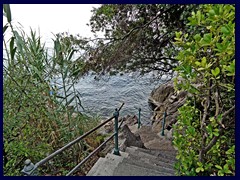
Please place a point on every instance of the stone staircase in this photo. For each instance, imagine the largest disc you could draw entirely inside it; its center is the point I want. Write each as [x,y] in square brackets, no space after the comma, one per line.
[157,159]
[135,162]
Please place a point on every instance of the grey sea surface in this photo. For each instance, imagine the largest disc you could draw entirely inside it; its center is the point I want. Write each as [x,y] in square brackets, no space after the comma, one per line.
[101,97]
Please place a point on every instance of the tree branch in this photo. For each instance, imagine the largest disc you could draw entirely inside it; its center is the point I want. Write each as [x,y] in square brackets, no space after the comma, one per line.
[203,125]
[214,140]
[216,97]
[145,25]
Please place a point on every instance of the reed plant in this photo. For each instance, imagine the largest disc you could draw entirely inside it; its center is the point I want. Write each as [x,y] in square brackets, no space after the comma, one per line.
[37,120]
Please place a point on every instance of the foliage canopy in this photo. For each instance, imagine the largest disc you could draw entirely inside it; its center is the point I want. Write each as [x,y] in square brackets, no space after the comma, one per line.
[137,37]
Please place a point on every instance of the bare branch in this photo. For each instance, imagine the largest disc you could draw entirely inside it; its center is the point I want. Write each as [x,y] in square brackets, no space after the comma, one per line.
[216,97]
[145,25]
[215,138]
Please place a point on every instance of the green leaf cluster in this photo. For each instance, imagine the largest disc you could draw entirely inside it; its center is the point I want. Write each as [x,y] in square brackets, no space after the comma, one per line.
[206,122]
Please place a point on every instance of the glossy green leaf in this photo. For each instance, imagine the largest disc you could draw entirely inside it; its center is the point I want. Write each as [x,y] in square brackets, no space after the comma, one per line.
[198,17]
[220,173]
[207,38]
[231,69]
[198,63]
[215,133]
[219,46]
[204,62]
[198,169]
[225,30]
[219,167]
[228,171]
[225,167]
[197,37]
[212,12]
[216,71]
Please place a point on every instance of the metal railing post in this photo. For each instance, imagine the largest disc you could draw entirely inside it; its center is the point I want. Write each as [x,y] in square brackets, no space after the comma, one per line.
[116,150]
[29,169]
[164,117]
[139,115]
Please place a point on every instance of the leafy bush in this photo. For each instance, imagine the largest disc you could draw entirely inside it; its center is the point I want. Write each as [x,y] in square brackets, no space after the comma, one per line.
[205,132]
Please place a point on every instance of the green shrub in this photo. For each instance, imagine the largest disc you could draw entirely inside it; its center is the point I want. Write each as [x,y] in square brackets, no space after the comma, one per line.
[205,133]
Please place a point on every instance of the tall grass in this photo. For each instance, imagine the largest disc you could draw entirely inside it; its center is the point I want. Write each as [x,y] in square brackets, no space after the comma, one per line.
[37,122]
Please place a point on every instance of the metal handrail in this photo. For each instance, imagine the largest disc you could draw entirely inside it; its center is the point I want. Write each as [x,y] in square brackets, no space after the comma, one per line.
[92,153]
[163,123]
[139,116]
[31,168]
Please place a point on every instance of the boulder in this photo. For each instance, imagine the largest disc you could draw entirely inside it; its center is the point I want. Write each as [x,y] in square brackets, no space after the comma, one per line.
[130,120]
[107,128]
[159,95]
[165,99]
[130,139]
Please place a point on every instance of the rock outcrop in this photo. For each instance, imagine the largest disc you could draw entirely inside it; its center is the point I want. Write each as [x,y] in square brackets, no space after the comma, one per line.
[130,139]
[164,98]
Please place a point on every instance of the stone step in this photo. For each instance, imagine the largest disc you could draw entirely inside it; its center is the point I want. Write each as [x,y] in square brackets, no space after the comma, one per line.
[157,159]
[151,154]
[159,144]
[146,133]
[95,170]
[160,163]
[149,164]
[134,162]
[169,154]
[114,157]
[126,169]
[106,166]
[153,140]
[152,163]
